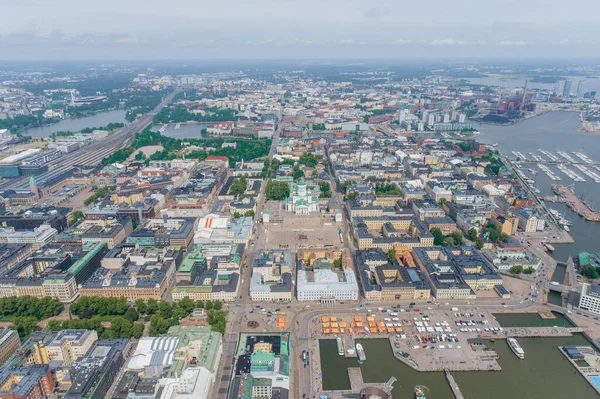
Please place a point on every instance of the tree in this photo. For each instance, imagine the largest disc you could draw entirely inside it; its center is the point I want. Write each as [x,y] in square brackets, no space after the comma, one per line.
[337,263]
[75,217]
[516,269]
[479,243]
[151,306]
[208,305]
[457,238]
[250,213]
[158,325]
[504,237]
[140,305]
[140,156]
[590,272]
[238,187]
[529,270]
[472,234]
[132,315]
[186,307]
[217,305]
[449,241]
[277,190]
[165,309]
[438,236]
[392,255]
[24,326]
[442,201]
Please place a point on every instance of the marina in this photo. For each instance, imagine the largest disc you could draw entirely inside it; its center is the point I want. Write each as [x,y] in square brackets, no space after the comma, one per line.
[548,172]
[572,175]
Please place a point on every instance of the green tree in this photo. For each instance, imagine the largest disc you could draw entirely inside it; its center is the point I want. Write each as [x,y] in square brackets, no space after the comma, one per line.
[276,190]
[479,243]
[151,306]
[186,307]
[504,237]
[516,269]
[457,238]
[140,305]
[392,255]
[590,272]
[75,217]
[238,187]
[438,236]
[337,263]
[217,305]
[132,315]
[472,234]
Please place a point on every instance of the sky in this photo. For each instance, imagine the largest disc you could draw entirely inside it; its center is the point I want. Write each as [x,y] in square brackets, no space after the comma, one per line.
[298,29]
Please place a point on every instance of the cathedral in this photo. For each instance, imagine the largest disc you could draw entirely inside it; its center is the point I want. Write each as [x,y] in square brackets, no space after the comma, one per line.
[301,201]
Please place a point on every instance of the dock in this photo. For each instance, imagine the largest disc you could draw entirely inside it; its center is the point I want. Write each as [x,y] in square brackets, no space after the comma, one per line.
[576,204]
[531,332]
[349,344]
[588,367]
[453,385]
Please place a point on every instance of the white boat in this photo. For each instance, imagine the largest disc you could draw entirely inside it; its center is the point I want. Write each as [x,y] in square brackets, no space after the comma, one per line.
[340,346]
[516,348]
[360,352]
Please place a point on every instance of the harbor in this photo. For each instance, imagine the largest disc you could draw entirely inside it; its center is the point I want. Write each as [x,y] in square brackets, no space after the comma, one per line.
[576,204]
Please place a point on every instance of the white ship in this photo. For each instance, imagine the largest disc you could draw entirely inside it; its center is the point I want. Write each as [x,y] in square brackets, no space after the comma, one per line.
[340,346]
[360,352]
[516,348]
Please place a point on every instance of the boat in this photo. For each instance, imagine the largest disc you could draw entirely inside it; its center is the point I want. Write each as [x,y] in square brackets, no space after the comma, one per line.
[340,346]
[360,352]
[548,247]
[567,229]
[420,392]
[516,348]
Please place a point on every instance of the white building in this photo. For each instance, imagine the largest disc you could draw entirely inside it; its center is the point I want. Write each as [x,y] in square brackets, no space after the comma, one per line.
[301,200]
[590,298]
[327,286]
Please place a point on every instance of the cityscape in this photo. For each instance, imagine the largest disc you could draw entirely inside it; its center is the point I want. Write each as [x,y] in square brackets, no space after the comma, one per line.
[273,225]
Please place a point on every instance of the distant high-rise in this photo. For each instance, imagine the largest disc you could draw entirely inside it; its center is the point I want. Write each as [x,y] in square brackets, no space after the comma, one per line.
[402,115]
[446,118]
[461,118]
[580,89]
[567,89]
[559,87]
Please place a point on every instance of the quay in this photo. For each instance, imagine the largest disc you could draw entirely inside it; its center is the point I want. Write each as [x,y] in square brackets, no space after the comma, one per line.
[529,332]
[453,385]
[349,344]
[576,204]
[357,384]
[586,361]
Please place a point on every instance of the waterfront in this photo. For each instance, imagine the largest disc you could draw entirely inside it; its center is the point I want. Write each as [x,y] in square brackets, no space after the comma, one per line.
[74,125]
[531,320]
[516,82]
[554,131]
[555,298]
[518,378]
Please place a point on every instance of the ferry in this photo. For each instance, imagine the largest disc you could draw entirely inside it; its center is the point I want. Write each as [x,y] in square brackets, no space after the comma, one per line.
[360,352]
[516,348]
[340,346]
[419,393]
[548,247]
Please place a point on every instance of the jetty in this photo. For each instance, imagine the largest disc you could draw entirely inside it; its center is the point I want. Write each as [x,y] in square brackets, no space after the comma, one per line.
[453,385]
[576,204]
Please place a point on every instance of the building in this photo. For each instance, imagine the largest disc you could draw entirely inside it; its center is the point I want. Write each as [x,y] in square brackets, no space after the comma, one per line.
[38,237]
[166,232]
[69,345]
[9,343]
[134,272]
[12,254]
[33,351]
[457,272]
[385,281]
[35,217]
[513,254]
[590,298]
[153,355]
[209,272]
[323,282]
[301,200]
[271,276]
[93,374]
[194,363]
[111,230]
[26,382]
[263,371]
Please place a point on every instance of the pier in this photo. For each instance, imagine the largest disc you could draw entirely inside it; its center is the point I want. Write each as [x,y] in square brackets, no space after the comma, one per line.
[576,204]
[453,385]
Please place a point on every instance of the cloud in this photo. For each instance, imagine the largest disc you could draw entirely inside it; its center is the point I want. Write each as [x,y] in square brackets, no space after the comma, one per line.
[454,42]
[401,41]
[516,43]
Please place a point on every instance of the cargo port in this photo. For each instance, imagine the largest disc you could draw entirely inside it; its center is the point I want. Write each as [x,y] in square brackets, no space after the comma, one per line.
[576,204]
